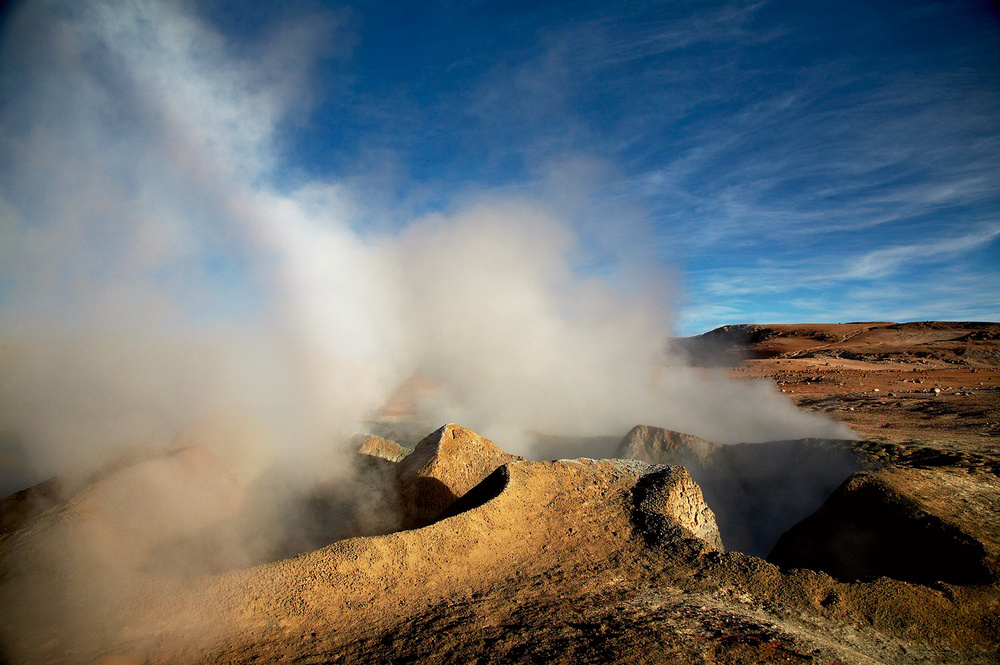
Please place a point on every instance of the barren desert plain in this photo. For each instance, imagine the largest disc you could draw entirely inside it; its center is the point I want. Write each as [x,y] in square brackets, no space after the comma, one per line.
[654,547]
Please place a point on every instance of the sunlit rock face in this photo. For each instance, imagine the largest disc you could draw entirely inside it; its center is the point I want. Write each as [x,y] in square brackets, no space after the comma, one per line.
[376,446]
[663,446]
[445,465]
[669,504]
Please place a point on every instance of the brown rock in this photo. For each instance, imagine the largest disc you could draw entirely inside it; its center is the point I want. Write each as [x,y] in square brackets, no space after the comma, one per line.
[916,525]
[662,446]
[376,446]
[445,465]
[668,504]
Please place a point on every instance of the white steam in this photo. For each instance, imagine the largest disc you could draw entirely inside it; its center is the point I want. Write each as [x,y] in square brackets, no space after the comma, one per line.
[152,273]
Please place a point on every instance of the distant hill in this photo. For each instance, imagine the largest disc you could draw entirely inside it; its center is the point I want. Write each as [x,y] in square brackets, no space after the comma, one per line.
[729,345]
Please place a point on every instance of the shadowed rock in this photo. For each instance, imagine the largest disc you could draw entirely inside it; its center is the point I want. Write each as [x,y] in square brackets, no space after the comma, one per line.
[445,465]
[917,525]
[756,490]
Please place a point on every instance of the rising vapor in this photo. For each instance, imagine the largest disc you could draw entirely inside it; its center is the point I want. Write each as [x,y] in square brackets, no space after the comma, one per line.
[154,271]
[168,299]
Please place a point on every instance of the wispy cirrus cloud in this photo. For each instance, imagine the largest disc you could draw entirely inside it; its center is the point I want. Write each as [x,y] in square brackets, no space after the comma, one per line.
[885,262]
[846,169]
[806,134]
[945,278]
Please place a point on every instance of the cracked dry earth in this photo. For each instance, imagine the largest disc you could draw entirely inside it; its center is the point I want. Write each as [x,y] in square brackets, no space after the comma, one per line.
[588,561]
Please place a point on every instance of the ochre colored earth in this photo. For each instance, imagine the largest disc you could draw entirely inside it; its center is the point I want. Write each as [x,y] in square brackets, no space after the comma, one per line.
[571,561]
[933,381]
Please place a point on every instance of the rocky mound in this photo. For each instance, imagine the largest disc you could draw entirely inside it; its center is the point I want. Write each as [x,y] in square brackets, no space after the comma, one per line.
[21,507]
[668,505]
[448,463]
[532,512]
[662,446]
[918,525]
[757,490]
[572,561]
[376,446]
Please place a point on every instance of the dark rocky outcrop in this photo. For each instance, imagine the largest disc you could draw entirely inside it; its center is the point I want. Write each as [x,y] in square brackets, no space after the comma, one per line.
[757,490]
[916,525]
[722,347]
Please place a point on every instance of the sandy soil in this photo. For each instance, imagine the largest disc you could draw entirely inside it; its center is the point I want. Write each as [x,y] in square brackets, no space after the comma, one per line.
[552,561]
[933,382]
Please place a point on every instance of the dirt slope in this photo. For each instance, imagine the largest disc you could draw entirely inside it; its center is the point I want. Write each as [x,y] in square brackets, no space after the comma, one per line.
[574,561]
[928,381]
[569,561]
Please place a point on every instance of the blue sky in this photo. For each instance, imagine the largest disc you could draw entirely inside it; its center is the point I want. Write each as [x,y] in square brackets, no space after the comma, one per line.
[795,161]
[776,161]
[286,209]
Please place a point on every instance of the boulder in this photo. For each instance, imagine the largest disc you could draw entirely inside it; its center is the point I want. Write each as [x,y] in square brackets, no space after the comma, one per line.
[756,490]
[916,525]
[668,504]
[663,446]
[445,465]
[376,446]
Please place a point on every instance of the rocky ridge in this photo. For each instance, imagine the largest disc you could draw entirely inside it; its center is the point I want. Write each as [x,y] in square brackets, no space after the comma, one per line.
[567,561]
[882,549]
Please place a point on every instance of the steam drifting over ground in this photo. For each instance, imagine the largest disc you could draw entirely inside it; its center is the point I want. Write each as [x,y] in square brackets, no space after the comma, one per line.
[158,268]
[162,284]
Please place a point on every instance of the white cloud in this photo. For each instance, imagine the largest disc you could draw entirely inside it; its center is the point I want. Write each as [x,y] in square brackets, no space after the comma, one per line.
[885,262]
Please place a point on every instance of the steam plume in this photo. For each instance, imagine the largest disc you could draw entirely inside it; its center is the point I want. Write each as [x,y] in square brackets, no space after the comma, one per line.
[154,272]
[156,269]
